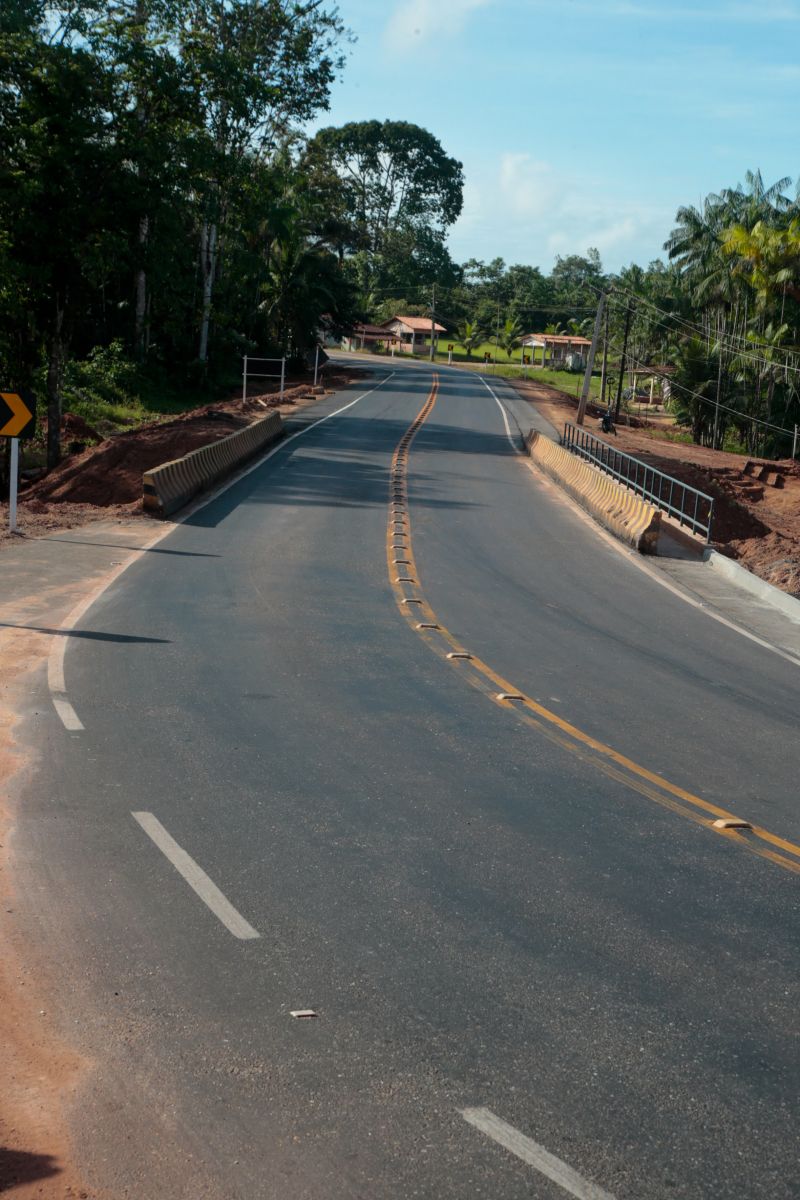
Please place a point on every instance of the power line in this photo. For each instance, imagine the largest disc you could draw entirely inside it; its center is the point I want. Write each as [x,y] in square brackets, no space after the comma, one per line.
[722,340]
[673,383]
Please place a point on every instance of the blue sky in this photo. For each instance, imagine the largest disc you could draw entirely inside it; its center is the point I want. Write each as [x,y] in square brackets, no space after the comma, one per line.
[581,122]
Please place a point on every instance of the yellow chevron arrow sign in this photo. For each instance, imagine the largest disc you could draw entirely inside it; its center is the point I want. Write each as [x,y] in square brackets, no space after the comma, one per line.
[17,414]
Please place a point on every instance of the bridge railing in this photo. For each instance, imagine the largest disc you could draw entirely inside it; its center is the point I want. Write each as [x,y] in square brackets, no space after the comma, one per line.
[690,507]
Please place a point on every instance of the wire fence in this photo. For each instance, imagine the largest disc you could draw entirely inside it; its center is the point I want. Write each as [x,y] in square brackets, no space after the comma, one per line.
[686,504]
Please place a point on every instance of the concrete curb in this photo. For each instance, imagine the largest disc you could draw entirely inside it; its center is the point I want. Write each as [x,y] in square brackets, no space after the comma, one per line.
[173,484]
[625,514]
[736,573]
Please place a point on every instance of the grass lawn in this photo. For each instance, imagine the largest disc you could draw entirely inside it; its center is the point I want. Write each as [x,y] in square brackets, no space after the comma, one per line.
[460,354]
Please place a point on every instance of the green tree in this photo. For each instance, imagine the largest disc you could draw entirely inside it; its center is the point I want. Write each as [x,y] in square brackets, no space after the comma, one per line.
[695,388]
[259,67]
[510,336]
[61,189]
[470,335]
[399,188]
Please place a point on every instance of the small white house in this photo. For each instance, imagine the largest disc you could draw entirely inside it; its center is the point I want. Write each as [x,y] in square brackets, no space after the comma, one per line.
[413,334]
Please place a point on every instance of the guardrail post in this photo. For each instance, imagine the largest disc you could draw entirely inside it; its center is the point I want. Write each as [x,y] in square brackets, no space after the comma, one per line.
[316,364]
[283,375]
[244,381]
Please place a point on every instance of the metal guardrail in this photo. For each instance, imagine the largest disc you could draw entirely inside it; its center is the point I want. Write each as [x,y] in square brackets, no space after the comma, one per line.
[686,504]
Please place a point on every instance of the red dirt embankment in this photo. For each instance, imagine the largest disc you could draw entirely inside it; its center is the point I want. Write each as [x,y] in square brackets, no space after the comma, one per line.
[105,481]
[759,525]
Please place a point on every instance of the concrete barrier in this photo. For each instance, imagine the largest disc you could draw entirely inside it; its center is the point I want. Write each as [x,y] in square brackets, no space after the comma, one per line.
[766,592]
[167,488]
[625,514]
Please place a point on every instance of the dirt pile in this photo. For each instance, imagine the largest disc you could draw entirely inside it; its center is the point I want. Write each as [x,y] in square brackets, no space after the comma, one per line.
[105,480]
[755,522]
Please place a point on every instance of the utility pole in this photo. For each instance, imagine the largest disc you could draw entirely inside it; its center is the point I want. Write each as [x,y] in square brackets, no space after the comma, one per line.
[587,379]
[604,375]
[497,340]
[628,315]
[433,319]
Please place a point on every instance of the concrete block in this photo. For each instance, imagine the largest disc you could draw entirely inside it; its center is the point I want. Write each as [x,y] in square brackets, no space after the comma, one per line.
[621,511]
[172,485]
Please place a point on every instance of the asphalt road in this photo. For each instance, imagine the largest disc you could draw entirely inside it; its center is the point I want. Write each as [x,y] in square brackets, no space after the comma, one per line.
[485,910]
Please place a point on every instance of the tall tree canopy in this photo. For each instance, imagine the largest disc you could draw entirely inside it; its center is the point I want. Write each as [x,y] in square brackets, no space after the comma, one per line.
[147,196]
[398,193]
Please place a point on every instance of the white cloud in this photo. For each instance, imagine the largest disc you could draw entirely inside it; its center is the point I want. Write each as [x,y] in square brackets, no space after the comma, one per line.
[414,21]
[526,210]
[530,188]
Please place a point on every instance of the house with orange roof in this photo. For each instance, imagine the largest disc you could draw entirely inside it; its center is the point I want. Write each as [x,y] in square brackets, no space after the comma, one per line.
[413,334]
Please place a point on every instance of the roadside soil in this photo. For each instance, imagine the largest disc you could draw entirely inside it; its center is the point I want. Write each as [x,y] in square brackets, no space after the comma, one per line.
[754,522]
[38,1073]
[104,481]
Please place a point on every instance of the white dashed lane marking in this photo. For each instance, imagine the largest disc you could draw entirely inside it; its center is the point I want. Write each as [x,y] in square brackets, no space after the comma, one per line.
[196,877]
[533,1154]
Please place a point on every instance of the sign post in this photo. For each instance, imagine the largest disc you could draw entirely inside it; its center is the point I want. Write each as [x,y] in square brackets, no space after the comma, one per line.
[13,484]
[17,420]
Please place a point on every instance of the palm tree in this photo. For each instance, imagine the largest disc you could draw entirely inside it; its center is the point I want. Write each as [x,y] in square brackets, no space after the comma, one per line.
[769,258]
[510,336]
[755,201]
[695,388]
[470,335]
[302,281]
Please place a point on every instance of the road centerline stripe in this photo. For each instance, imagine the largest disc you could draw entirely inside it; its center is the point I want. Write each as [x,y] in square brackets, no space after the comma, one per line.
[500,691]
[196,877]
[533,1154]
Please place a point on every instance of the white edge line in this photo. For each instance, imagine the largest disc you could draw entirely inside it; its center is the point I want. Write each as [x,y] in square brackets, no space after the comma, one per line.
[533,1154]
[56,681]
[635,559]
[503,413]
[196,877]
[69,718]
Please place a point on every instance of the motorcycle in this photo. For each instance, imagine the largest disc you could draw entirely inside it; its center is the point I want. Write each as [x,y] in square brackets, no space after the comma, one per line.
[606,422]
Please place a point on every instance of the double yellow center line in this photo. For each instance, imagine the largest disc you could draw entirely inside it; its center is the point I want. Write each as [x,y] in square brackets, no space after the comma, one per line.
[405,581]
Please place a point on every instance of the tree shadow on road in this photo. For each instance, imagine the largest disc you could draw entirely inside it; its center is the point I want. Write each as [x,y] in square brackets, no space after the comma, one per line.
[18,1167]
[351,470]
[89,634]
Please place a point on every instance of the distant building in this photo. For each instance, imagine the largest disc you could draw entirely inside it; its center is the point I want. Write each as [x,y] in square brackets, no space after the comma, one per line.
[367,337]
[559,347]
[412,334]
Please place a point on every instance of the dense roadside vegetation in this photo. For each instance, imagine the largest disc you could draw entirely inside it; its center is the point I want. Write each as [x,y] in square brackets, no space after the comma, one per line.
[719,319]
[162,212]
